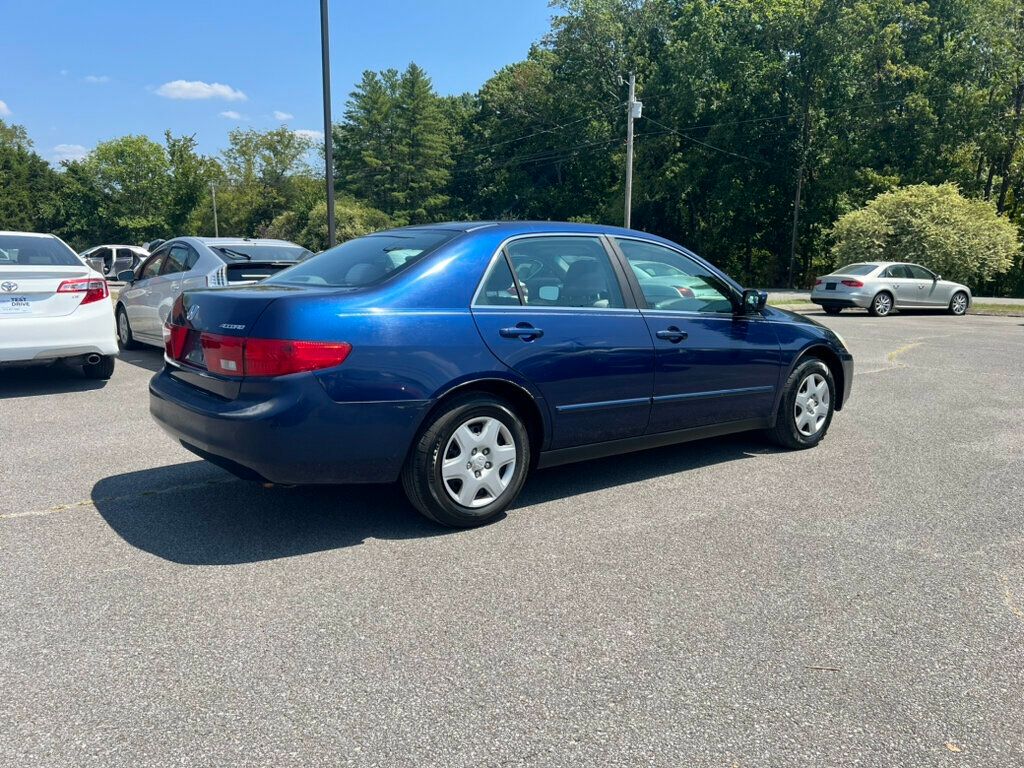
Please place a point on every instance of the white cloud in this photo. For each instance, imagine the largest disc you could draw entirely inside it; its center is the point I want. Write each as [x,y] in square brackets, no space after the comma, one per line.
[4,109]
[63,73]
[69,152]
[97,79]
[230,114]
[309,133]
[279,115]
[197,89]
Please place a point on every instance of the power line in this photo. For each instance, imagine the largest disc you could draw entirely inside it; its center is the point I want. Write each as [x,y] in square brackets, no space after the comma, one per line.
[709,146]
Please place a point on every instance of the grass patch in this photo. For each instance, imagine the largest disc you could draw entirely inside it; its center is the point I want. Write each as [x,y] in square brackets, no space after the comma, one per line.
[1012,310]
[789,302]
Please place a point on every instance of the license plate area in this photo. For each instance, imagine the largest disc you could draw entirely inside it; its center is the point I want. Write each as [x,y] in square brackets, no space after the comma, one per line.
[830,286]
[15,305]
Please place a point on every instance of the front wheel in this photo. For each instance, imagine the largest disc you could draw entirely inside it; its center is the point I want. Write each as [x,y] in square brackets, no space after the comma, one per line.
[958,304]
[806,408]
[470,462]
[881,305]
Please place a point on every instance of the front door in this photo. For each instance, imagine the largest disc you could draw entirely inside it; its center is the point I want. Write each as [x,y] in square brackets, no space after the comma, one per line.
[564,323]
[137,297]
[712,366]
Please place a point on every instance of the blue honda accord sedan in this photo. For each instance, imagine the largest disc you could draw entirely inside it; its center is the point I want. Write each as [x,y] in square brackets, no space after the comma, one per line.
[457,357]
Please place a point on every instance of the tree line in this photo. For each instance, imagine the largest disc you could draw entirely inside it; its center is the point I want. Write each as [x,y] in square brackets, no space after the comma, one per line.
[764,122]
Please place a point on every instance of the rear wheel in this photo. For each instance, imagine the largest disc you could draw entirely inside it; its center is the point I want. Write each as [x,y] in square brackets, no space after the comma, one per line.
[958,304]
[832,310]
[124,330]
[806,408]
[470,462]
[881,305]
[104,369]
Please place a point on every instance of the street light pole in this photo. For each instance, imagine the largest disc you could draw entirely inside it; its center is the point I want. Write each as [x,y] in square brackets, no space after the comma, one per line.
[216,227]
[325,45]
[630,115]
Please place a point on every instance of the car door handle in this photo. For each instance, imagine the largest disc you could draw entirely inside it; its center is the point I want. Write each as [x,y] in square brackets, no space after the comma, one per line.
[672,334]
[523,331]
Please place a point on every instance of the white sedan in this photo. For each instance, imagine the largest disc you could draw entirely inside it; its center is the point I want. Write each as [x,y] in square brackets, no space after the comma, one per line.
[53,306]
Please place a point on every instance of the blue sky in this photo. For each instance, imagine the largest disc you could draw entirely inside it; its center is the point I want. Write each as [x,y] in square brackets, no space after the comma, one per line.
[77,72]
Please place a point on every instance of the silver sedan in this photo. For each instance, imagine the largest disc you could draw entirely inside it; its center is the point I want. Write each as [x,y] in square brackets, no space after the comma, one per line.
[882,286]
[192,262]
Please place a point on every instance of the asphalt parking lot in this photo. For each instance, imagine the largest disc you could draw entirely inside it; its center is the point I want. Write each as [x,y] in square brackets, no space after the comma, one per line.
[721,603]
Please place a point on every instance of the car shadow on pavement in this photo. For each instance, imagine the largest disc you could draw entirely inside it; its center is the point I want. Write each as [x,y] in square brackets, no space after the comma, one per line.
[149,358]
[197,514]
[45,380]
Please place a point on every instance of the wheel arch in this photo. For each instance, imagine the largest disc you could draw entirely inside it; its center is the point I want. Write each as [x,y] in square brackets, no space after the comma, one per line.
[533,413]
[885,289]
[835,366]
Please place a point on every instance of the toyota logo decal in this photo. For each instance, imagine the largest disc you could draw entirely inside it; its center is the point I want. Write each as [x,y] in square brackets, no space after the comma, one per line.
[9,286]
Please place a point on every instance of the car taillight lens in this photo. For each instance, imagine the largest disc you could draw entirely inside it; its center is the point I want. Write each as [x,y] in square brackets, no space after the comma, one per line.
[94,290]
[236,356]
[683,291]
[853,283]
[817,281]
[218,279]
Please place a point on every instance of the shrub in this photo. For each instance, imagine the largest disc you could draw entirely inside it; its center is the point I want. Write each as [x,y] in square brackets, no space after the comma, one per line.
[935,226]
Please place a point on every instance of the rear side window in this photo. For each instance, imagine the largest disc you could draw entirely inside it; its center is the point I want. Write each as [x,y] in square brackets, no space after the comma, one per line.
[565,272]
[499,288]
[26,251]
[366,260]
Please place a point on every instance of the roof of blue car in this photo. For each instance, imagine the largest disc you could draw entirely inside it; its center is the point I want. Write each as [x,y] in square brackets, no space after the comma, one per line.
[529,226]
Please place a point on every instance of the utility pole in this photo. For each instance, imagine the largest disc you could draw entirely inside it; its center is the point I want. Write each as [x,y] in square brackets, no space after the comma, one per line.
[633,110]
[213,191]
[325,45]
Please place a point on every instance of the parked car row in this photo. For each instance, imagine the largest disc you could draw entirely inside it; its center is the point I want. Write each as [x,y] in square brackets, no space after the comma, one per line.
[454,358]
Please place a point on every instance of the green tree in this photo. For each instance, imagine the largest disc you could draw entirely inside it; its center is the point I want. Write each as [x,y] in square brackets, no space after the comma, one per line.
[964,240]
[28,185]
[190,177]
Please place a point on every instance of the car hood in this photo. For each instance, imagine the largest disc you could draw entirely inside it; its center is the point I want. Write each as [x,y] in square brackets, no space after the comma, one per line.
[788,316]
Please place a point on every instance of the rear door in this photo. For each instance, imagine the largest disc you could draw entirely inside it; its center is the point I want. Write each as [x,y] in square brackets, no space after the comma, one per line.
[905,288]
[565,323]
[711,365]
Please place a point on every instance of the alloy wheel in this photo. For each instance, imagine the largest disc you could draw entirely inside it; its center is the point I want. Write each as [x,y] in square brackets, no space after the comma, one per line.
[479,462]
[883,304]
[959,304]
[813,402]
[122,327]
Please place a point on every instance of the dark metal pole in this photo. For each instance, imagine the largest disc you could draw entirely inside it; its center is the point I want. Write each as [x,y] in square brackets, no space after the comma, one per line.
[325,45]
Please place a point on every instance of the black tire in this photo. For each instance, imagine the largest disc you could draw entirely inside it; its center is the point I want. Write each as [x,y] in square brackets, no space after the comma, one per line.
[104,369]
[958,304]
[832,310]
[125,337]
[422,479]
[785,432]
[882,305]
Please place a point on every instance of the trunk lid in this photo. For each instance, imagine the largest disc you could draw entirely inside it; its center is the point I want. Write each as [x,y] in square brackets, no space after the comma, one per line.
[31,291]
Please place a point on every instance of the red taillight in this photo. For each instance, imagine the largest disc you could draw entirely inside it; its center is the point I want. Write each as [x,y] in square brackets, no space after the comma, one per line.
[853,283]
[236,356]
[174,340]
[683,291]
[277,357]
[817,281]
[94,290]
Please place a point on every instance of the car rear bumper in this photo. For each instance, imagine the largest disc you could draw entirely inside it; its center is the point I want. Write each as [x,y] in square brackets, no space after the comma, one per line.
[288,431]
[87,330]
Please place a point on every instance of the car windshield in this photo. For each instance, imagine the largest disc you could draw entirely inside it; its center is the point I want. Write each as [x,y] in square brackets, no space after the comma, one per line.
[856,269]
[25,250]
[260,252]
[365,260]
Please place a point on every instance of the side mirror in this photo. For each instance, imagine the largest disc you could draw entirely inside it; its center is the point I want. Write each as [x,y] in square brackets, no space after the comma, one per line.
[936,278]
[126,276]
[754,301]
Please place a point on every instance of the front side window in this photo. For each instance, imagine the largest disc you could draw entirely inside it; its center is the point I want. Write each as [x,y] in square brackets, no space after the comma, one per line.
[151,267]
[919,273]
[177,260]
[565,272]
[669,280]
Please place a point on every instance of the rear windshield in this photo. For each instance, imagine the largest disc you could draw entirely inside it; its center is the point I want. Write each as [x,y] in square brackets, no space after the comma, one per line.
[365,260]
[856,269]
[260,252]
[22,250]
